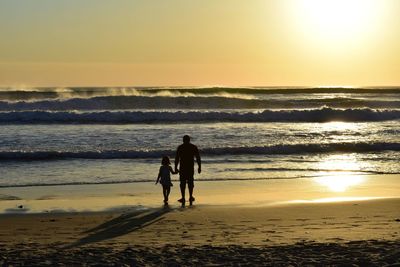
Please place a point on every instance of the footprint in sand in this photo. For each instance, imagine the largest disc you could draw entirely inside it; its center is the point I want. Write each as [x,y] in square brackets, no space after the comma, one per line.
[356,217]
[360,221]
[303,220]
[269,232]
[277,236]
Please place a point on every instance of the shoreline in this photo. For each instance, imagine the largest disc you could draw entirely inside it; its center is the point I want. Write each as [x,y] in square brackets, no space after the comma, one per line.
[176,180]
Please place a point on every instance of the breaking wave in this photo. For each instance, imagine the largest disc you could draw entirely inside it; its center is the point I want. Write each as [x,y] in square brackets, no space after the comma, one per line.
[255,150]
[220,100]
[126,117]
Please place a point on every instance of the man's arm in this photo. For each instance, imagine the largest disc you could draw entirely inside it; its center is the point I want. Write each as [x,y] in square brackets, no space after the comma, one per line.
[198,159]
[176,159]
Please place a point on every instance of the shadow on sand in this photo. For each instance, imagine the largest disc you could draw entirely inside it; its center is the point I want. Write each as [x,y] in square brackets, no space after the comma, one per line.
[122,225]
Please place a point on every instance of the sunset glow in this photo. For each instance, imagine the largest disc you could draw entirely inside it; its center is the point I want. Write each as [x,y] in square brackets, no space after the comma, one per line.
[201,132]
[126,43]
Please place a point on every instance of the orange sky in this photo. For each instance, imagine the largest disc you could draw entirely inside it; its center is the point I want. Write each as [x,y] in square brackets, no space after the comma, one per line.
[207,42]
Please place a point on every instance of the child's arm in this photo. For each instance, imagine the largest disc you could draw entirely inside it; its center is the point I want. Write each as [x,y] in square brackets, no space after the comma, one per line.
[159,176]
[172,171]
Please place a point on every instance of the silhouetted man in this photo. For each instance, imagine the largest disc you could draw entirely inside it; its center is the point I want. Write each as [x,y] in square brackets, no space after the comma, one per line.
[185,155]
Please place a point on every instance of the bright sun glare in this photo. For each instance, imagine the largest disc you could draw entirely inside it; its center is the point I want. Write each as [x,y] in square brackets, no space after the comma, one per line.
[336,21]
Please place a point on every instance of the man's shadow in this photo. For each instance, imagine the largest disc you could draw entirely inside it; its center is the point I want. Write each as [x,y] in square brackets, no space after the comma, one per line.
[122,225]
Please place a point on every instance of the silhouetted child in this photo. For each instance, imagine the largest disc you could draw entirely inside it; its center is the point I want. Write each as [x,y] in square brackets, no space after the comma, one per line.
[164,177]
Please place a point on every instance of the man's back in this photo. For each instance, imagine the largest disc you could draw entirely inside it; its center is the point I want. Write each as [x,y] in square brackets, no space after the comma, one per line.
[187,153]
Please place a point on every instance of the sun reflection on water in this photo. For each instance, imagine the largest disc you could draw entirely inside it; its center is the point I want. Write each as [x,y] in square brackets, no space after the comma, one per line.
[339,126]
[337,172]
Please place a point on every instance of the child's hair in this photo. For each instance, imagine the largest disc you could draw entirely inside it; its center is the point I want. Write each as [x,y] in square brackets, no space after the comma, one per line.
[165,161]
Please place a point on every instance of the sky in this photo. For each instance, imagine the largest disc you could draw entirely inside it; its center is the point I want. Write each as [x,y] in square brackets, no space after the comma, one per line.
[200,43]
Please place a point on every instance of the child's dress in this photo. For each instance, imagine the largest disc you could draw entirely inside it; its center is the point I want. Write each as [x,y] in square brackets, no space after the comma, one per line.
[165,179]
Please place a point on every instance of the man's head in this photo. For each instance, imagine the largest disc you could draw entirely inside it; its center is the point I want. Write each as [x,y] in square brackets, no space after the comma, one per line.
[186,139]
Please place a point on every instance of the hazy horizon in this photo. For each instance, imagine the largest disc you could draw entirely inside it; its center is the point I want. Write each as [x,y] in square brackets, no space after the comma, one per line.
[177,87]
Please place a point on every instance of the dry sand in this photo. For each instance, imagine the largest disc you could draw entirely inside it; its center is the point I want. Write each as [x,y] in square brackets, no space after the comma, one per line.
[363,233]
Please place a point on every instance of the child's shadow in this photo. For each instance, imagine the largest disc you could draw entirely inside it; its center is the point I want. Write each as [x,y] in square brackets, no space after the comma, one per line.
[122,225]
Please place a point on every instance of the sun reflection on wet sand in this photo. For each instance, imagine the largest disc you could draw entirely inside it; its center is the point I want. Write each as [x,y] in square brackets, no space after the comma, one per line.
[340,183]
[333,199]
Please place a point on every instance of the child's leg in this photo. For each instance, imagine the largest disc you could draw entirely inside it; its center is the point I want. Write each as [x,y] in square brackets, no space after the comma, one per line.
[168,191]
[165,193]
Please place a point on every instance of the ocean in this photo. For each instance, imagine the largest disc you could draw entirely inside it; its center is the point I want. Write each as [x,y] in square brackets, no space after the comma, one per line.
[69,136]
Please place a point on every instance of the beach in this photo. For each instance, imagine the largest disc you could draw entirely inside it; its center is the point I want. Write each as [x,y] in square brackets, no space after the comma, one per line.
[299,228]
[282,116]
[342,233]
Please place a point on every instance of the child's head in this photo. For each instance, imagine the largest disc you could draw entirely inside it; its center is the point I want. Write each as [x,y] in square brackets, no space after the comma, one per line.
[165,161]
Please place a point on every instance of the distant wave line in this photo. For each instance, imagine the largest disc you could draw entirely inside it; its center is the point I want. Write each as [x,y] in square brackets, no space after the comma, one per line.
[68,92]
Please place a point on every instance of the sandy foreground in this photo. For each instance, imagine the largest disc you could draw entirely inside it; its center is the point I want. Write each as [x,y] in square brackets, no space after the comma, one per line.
[360,232]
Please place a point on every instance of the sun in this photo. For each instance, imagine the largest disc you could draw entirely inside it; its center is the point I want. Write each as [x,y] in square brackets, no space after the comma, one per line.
[338,17]
[336,23]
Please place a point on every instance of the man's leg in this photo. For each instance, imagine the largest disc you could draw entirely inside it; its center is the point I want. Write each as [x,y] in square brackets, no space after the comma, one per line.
[183,188]
[191,191]
[190,187]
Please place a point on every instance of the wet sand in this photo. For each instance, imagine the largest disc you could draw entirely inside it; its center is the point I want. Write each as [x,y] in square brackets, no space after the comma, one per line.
[361,232]
[249,193]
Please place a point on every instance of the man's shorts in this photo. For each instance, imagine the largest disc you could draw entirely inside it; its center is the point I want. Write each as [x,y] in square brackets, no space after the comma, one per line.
[187,177]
